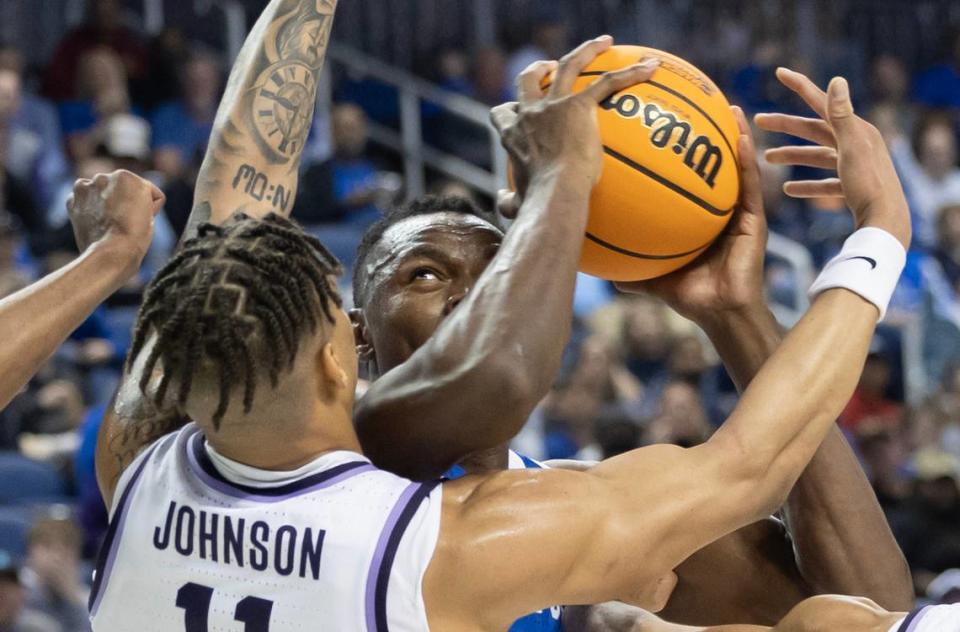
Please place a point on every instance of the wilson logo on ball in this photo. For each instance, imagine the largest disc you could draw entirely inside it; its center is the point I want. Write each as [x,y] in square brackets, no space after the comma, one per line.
[700,155]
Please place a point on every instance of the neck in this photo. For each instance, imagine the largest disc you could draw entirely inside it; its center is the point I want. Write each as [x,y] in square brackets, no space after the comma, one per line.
[492,460]
[283,442]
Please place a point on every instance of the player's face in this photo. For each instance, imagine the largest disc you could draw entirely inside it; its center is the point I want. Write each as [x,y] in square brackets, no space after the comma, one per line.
[419,272]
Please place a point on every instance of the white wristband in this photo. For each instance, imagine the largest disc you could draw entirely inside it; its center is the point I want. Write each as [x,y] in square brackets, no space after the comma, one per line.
[869,264]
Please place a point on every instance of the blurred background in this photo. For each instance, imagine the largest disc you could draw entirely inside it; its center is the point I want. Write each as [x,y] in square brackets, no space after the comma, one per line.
[93,85]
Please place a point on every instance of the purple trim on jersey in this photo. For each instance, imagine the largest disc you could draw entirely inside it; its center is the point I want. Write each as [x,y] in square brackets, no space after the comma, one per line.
[205,470]
[913,619]
[378,577]
[111,542]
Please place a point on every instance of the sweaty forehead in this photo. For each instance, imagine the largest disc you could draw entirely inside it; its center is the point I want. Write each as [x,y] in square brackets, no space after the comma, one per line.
[421,227]
[437,231]
[441,233]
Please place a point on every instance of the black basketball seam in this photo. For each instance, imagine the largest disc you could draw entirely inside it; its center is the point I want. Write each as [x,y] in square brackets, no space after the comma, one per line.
[667,183]
[640,255]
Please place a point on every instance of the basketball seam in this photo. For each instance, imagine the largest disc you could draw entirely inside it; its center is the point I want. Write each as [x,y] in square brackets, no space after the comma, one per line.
[667,183]
[640,255]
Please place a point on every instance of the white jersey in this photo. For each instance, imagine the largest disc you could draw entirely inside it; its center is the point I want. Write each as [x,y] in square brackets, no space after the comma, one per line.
[945,618]
[198,543]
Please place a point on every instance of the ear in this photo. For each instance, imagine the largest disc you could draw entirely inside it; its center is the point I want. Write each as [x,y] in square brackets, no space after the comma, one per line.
[361,335]
[331,368]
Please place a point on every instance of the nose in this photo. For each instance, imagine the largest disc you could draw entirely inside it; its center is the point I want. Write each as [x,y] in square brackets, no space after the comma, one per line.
[455,299]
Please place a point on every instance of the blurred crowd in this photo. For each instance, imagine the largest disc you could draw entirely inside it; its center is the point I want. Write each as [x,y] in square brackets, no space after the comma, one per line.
[112,97]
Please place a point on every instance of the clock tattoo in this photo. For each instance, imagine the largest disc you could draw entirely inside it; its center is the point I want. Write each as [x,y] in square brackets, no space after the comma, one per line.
[283,107]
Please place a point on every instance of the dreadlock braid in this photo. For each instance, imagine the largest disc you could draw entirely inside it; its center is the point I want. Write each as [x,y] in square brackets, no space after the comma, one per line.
[240,296]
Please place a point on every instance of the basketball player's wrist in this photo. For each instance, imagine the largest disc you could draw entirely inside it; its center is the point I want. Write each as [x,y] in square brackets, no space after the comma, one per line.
[750,317]
[115,257]
[869,265]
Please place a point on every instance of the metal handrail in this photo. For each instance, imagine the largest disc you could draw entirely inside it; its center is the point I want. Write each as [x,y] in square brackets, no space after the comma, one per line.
[417,154]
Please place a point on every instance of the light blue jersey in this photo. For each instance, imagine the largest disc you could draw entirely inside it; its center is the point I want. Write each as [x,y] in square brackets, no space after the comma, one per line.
[549,619]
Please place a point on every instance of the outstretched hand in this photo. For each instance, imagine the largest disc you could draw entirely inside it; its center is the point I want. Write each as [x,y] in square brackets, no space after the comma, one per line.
[116,209]
[729,276]
[846,143]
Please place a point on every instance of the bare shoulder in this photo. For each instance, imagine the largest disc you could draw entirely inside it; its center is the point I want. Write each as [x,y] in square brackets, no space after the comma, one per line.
[826,613]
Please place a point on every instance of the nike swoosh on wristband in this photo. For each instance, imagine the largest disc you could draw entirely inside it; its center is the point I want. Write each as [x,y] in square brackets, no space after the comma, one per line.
[872,262]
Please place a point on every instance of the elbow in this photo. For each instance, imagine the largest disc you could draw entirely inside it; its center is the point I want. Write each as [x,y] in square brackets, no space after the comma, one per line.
[513,389]
[757,481]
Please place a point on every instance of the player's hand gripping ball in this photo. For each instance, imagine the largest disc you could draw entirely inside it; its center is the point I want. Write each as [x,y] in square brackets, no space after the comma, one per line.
[670,178]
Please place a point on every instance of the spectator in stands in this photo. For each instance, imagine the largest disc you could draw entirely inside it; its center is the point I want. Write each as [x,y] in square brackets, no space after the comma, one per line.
[754,85]
[570,413]
[102,93]
[883,454]
[598,370]
[890,91]
[681,419]
[165,59]
[871,410]
[549,37]
[453,71]
[929,172]
[103,28]
[14,616]
[17,200]
[646,337]
[926,527]
[34,142]
[53,573]
[486,81]
[491,79]
[357,186]
[948,243]
[182,128]
[939,86]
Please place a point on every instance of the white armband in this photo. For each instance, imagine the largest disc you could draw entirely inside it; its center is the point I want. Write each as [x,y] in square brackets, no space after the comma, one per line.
[869,265]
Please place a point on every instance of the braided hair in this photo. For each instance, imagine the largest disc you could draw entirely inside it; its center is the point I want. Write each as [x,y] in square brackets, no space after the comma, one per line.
[242,296]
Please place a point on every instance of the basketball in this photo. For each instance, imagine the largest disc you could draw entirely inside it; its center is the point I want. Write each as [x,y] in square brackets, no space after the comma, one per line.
[670,178]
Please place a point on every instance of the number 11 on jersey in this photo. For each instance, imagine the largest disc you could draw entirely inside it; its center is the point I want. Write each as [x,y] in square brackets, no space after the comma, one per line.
[195,600]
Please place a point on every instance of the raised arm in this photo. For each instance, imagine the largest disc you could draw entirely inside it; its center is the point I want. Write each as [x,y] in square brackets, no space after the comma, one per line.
[617,531]
[839,540]
[112,216]
[842,539]
[252,162]
[476,380]
[251,165]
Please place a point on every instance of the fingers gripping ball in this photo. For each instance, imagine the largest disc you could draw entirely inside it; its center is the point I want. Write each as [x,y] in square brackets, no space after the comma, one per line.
[670,178]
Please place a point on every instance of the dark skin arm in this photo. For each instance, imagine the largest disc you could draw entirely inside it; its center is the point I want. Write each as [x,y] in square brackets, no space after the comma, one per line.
[251,166]
[493,359]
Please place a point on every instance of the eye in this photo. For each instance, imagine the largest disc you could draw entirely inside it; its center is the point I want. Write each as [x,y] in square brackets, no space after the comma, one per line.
[424,274]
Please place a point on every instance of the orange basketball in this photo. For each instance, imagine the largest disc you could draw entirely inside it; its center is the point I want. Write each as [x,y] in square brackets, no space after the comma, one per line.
[670,178]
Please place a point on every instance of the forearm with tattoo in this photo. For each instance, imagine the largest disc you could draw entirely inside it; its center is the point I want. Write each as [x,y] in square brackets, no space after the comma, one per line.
[262,126]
